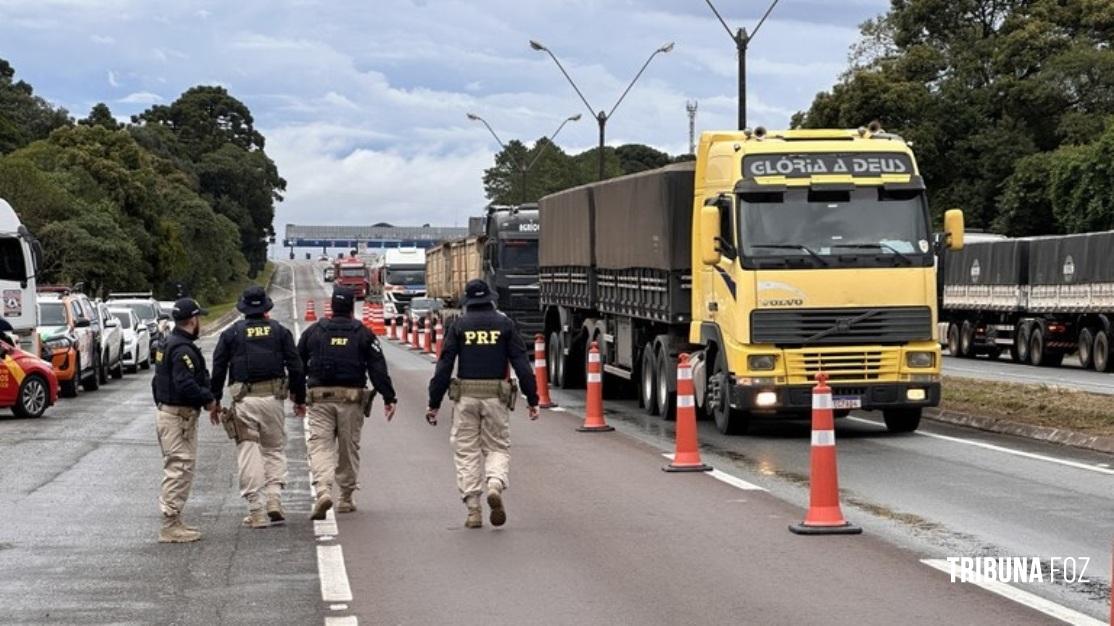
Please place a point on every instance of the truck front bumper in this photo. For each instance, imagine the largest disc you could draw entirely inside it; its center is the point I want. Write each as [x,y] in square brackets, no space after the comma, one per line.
[872,396]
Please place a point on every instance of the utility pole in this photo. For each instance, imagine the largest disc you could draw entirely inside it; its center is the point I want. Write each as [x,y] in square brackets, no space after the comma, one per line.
[742,43]
[691,106]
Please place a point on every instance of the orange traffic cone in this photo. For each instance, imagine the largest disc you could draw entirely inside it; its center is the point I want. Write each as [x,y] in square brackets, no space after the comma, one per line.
[406,330]
[416,335]
[686,457]
[439,330]
[377,325]
[541,373]
[311,314]
[328,310]
[391,330]
[824,515]
[593,413]
[367,315]
[427,339]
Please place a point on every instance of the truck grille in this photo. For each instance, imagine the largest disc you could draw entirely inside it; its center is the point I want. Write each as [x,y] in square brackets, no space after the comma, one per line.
[841,326]
[843,366]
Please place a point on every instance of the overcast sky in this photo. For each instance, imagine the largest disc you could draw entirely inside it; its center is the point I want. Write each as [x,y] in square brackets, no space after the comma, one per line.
[363,102]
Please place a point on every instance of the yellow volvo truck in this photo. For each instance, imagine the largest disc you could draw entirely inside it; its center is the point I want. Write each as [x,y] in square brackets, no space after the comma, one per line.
[774,257]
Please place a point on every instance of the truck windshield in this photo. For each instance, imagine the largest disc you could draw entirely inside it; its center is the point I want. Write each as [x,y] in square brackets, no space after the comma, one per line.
[52,314]
[405,277]
[868,226]
[12,266]
[519,254]
[353,272]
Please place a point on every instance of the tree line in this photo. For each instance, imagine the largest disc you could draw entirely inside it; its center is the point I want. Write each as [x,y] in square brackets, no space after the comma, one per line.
[180,198]
[1009,105]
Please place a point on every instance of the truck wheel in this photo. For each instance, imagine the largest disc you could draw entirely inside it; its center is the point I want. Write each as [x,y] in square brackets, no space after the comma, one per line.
[648,389]
[553,359]
[1086,348]
[967,340]
[902,420]
[667,400]
[33,397]
[70,388]
[1021,342]
[1101,352]
[93,381]
[1039,354]
[728,420]
[953,339]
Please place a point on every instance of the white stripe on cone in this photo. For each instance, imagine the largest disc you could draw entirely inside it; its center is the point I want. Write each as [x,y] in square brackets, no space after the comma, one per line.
[685,402]
[539,362]
[823,438]
[684,373]
[822,401]
[594,357]
[594,377]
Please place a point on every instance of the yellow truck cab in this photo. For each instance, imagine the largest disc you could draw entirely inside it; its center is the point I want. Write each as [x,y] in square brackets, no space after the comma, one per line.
[777,256]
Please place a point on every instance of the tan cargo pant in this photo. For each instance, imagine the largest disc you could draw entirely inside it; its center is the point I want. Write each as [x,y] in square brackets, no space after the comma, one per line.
[262,460]
[481,441]
[177,433]
[334,446]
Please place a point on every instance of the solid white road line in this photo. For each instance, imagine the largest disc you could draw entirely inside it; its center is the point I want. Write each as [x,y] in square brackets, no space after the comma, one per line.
[996,448]
[334,577]
[724,477]
[349,620]
[1030,600]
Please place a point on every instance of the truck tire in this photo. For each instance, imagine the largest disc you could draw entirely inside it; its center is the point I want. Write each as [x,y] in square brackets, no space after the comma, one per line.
[1086,348]
[554,358]
[1101,352]
[902,420]
[728,420]
[648,388]
[1021,342]
[1039,353]
[967,340]
[93,381]
[666,399]
[953,339]
[33,397]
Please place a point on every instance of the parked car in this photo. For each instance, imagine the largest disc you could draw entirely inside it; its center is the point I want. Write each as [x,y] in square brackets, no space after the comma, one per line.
[145,307]
[137,339]
[420,308]
[28,385]
[67,340]
[112,342]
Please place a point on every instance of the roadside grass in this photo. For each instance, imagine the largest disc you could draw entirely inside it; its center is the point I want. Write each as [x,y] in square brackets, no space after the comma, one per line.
[1040,405]
[221,308]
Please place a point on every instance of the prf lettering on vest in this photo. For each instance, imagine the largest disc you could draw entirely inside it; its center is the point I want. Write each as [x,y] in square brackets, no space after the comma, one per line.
[256,332]
[338,341]
[481,337]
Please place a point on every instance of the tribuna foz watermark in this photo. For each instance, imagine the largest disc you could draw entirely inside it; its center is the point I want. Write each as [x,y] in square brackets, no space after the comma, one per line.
[1018,569]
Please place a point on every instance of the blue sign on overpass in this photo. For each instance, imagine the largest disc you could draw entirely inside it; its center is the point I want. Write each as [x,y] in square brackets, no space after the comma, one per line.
[371,237]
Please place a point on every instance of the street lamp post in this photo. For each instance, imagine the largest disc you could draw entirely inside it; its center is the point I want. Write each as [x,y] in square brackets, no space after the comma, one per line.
[523,168]
[601,116]
[742,42]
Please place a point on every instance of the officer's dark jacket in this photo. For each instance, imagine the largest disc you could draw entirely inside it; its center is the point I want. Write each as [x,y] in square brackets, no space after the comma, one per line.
[485,340]
[254,350]
[181,378]
[340,352]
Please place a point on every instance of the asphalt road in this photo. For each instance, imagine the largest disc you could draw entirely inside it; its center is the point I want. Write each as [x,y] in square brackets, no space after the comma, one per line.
[597,532]
[1069,375]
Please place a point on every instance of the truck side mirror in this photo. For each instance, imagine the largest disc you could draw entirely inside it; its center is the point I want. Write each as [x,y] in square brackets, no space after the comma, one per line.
[709,234]
[954,229]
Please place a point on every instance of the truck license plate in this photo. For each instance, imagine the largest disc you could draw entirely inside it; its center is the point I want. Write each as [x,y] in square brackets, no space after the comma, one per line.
[847,402]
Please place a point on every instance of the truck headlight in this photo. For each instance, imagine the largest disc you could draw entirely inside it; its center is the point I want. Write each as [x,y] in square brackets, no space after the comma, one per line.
[920,359]
[761,362]
[57,344]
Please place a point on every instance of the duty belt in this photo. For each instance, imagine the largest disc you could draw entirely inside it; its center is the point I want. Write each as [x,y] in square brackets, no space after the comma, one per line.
[336,394]
[266,388]
[480,388]
[184,412]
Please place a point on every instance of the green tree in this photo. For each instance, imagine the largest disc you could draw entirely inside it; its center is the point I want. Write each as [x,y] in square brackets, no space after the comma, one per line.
[635,157]
[101,116]
[24,117]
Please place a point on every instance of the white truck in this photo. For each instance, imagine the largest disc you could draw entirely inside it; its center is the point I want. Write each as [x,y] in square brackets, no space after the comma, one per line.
[20,254]
[398,277]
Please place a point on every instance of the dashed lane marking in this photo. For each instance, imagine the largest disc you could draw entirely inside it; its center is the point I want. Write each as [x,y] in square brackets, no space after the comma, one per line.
[334,577]
[996,448]
[1025,598]
[726,478]
[348,620]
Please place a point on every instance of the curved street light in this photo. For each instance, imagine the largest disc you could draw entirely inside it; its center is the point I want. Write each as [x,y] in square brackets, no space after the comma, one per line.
[523,169]
[742,43]
[601,116]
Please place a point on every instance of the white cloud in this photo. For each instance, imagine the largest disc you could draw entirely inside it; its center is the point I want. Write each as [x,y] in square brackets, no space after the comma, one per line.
[112,79]
[104,40]
[141,97]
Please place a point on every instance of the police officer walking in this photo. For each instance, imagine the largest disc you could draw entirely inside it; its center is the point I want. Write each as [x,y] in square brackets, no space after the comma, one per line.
[181,390]
[484,340]
[262,365]
[340,355]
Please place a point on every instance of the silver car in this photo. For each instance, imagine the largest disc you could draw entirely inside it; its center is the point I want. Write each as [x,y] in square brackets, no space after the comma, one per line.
[112,341]
[137,339]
